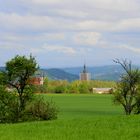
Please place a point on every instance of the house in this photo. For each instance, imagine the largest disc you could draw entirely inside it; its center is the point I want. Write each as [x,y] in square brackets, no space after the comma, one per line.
[37,79]
[102,90]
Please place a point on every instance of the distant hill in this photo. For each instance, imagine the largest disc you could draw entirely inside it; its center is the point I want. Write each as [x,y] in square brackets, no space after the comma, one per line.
[2,68]
[111,72]
[56,74]
[59,74]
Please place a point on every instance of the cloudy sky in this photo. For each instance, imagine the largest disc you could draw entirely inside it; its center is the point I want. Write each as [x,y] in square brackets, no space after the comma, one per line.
[65,33]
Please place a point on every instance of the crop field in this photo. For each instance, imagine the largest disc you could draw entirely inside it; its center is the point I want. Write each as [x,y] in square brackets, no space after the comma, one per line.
[81,117]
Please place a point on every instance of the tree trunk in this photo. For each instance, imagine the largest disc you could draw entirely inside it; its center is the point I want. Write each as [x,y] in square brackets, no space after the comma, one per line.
[128,109]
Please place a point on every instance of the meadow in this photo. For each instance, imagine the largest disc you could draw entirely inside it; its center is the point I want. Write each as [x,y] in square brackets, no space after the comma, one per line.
[81,117]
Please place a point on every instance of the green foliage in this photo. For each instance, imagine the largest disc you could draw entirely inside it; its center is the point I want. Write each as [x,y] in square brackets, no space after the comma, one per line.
[102,84]
[20,68]
[36,108]
[18,71]
[127,90]
[73,87]
[13,105]
[8,106]
[40,109]
[57,86]
[62,86]
[39,88]
[2,78]
[60,89]
[84,87]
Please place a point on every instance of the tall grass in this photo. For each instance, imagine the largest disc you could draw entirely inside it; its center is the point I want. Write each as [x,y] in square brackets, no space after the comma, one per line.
[96,128]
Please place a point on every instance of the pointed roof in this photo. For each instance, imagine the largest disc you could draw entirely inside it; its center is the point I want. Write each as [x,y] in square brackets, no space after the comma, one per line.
[84,70]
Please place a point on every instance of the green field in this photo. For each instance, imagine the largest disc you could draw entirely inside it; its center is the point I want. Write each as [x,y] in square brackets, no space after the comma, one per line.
[84,105]
[81,117]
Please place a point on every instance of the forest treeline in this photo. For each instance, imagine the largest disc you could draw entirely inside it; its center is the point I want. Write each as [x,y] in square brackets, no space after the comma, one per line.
[63,86]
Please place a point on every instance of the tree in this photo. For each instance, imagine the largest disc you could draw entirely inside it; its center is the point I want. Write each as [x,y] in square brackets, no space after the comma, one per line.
[20,104]
[127,91]
[18,71]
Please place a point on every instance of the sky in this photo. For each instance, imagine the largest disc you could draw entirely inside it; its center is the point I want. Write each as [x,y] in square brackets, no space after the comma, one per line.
[66,33]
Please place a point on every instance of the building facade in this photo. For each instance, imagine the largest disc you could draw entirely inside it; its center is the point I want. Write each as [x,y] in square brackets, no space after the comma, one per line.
[36,80]
[84,75]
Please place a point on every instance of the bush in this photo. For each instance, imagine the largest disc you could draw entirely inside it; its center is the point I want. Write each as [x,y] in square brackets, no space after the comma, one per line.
[73,87]
[9,106]
[39,88]
[58,86]
[60,89]
[84,88]
[39,109]
[35,108]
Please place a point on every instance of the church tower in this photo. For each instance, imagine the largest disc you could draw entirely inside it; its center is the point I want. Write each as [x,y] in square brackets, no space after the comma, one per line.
[84,75]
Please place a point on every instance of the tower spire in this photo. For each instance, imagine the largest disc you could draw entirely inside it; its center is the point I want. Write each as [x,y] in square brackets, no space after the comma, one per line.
[84,75]
[84,71]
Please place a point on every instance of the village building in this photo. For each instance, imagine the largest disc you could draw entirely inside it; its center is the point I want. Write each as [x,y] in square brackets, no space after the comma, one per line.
[103,90]
[37,79]
[84,75]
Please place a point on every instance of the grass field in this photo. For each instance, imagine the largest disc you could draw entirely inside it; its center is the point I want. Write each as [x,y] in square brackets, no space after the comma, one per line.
[84,105]
[81,117]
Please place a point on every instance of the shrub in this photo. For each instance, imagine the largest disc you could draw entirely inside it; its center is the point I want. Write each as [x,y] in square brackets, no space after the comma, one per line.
[9,106]
[58,86]
[84,87]
[73,87]
[35,107]
[39,109]
[60,89]
[39,88]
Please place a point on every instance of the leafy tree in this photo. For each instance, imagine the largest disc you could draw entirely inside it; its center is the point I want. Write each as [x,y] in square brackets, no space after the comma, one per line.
[84,87]
[18,71]
[127,91]
[20,104]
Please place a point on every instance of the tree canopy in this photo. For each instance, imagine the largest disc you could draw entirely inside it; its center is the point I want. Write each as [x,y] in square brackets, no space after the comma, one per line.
[18,71]
[128,88]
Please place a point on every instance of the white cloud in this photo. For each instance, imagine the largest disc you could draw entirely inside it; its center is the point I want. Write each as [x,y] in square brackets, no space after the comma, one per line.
[119,5]
[54,48]
[46,23]
[69,13]
[95,25]
[9,37]
[59,49]
[34,23]
[27,22]
[54,36]
[131,24]
[11,46]
[47,1]
[130,48]
[87,38]
[88,9]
